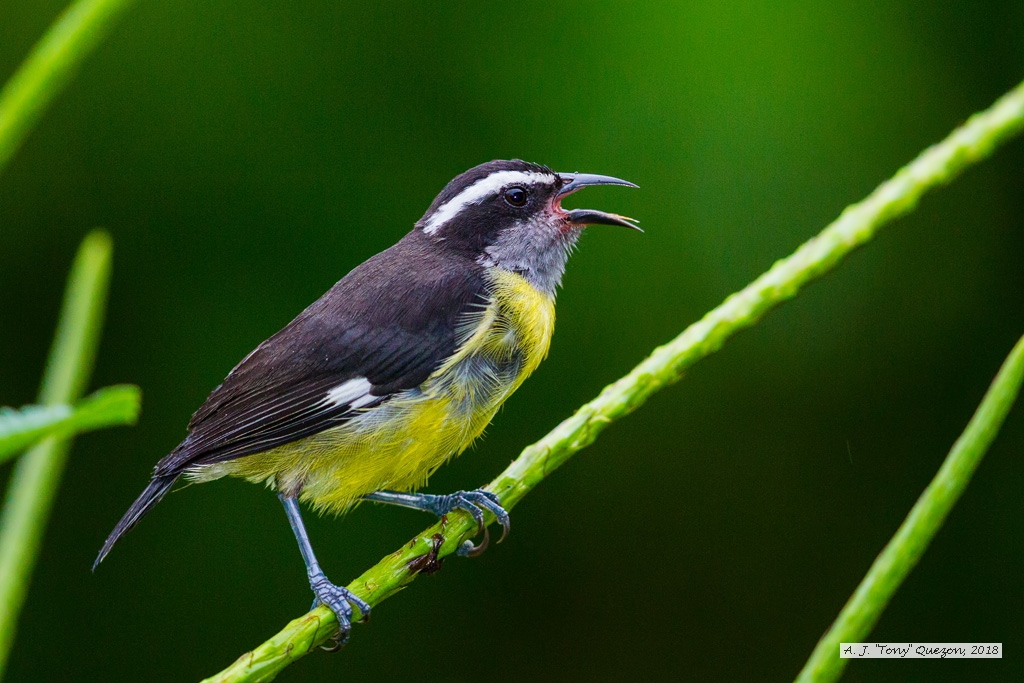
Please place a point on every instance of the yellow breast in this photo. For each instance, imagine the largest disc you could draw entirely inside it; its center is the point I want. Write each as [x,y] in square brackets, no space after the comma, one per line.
[517,324]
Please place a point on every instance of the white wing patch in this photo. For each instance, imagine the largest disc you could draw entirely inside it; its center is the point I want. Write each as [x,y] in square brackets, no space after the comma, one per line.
[354,393]
[479,191]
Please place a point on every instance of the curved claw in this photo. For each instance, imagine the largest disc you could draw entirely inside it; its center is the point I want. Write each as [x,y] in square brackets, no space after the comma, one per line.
[498,511]
[467,549]
[337,642]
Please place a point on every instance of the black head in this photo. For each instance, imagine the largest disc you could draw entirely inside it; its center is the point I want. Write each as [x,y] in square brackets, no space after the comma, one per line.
[509,214]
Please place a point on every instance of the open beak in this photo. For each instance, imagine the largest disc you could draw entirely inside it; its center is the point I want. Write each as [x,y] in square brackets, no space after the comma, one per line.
[577,181]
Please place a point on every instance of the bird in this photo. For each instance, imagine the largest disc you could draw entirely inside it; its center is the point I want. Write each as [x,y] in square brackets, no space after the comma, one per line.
[398,367]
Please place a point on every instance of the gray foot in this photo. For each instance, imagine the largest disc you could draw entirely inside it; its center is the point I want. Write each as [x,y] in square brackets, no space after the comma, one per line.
[339,600]
[473,502]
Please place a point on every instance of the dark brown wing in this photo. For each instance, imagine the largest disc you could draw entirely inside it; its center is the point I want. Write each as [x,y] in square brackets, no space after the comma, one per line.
[392,321]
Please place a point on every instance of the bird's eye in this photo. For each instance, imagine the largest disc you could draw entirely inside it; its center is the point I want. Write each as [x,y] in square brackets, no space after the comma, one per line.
[516,196]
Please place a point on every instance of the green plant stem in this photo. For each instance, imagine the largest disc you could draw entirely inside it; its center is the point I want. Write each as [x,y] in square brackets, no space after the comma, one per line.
[34,482]
[19,429]
[50,66]
[902,553]
[967,145]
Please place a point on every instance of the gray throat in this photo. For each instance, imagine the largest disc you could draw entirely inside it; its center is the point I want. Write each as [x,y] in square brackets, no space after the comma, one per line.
[539,255]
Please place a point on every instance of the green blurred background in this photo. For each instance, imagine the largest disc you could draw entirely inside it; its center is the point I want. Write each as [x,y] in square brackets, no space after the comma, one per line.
[245,156]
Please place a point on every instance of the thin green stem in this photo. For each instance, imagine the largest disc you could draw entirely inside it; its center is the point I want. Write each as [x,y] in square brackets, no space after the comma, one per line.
[34,482]
[50,66]
[901,555]
[965,146]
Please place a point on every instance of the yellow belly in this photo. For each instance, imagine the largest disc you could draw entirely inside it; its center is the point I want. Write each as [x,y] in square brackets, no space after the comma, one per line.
[398,444]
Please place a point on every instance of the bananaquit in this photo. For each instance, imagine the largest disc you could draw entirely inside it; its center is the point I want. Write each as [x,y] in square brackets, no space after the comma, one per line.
[399,366]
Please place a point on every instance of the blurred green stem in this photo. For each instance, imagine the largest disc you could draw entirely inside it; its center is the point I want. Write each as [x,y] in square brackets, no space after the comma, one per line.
[902,553]
[33,484]
[50,66]
[19,429]
[967,145]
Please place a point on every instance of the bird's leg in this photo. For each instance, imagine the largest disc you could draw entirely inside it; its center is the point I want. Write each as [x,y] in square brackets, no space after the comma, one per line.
[473,502]
[338,598]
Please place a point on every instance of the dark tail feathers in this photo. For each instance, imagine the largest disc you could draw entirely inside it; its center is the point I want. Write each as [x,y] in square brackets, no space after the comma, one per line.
[157,489]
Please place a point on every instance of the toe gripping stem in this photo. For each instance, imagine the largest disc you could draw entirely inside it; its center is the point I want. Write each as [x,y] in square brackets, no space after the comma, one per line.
[473,502]
[340,601]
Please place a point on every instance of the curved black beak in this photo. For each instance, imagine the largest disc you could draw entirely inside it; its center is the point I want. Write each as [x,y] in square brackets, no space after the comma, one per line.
[576,181]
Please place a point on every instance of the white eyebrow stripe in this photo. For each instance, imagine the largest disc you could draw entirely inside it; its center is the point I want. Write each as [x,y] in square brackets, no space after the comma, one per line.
[354,392]
[477,192]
